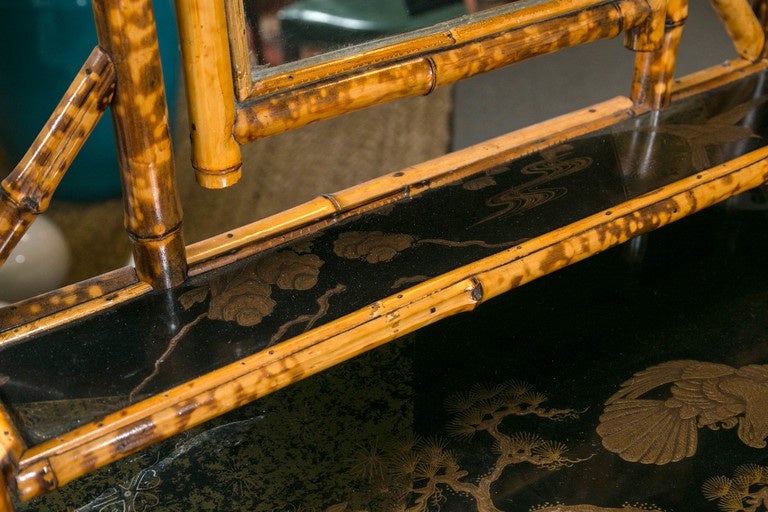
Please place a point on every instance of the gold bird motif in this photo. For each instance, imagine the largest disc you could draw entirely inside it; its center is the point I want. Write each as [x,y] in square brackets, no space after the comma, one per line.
[641,425]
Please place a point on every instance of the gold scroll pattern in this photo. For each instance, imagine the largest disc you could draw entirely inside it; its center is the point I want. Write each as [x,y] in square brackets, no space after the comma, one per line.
[649,430]
[556,163]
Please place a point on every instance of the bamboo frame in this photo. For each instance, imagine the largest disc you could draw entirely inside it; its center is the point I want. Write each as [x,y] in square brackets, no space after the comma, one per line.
[153,215]
[743,26]
[11,449]
[238,44]
[655,70]
[206,57]
[455,53]
[128,33]
[122,433]
[27,190]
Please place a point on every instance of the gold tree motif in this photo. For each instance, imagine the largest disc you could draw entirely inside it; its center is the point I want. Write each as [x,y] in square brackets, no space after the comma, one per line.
[418,475]
[700,394]
[747,491]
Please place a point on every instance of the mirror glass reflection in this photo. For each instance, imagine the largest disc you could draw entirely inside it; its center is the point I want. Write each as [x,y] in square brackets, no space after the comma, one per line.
[284,31]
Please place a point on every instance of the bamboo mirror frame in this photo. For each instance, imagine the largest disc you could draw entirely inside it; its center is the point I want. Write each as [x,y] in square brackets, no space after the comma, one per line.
[228,109]
[360,76]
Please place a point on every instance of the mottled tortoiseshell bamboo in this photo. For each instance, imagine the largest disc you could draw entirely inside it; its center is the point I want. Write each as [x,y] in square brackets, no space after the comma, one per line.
[71,455]
[127,32]
[743,26]
[27,190]
[655,70]
[60,460]
[32,316]
[457,52]
[11,449]
[648,36]
[238,43]
[210,93]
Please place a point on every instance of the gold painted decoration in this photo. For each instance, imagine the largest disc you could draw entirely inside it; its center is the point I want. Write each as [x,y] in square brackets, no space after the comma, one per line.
[640,428]
[747,491]
[594,508]
[373,247]
[419,475]
[245,297]
[556,163]
[378,247]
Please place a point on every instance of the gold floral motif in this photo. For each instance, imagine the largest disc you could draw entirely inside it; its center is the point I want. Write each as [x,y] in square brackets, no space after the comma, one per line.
[659,431]
[245,299]
[290,271]
[373,246]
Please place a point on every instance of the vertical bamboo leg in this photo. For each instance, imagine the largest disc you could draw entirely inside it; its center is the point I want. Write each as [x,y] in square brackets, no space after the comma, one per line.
[127,31]
[27,190]
[11,448]
[743,26]
[654,70]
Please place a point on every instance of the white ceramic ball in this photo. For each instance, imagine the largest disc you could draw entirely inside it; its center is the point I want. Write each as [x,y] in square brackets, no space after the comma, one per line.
[38,263]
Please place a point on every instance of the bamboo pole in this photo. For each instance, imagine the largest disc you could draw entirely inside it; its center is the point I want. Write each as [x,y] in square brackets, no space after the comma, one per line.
[743,26]
[237,28]
[12,447]
[655,70]
[127,31]
[466,51]
[210,91]
[89,447]
[26,192]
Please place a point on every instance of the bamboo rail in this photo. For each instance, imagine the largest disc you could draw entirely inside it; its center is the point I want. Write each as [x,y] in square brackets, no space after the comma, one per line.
[210,91]
[135,427]
[127,32]
[457,52]
[28,189]
[34,316]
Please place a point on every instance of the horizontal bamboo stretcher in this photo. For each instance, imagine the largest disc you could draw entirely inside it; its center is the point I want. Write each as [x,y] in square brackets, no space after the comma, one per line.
[290,296]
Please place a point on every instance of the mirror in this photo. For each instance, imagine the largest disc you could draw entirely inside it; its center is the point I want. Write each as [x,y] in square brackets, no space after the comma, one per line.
[285,31]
